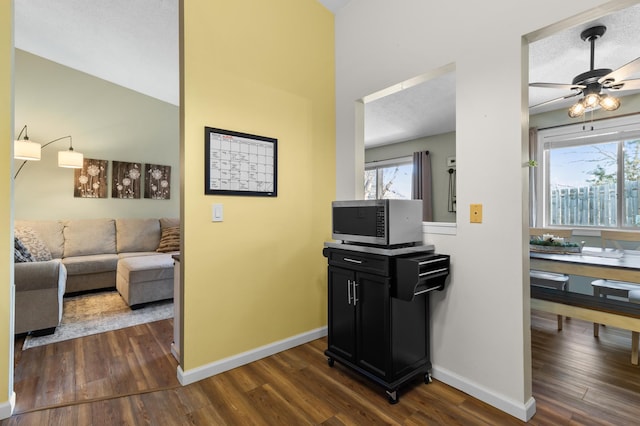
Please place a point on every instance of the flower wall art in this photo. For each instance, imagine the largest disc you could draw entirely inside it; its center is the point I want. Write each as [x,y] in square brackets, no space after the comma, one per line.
[157,183]
[91,180]
[126,180]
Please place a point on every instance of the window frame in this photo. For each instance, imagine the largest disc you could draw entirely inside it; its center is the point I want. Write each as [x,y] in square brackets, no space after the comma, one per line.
[613,130]
[381,164]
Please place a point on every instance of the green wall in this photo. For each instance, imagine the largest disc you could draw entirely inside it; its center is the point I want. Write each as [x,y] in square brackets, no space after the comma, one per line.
[106,122]
[440,147]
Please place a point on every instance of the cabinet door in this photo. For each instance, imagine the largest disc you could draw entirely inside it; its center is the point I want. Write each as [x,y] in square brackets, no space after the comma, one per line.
[372,323]
[341,318]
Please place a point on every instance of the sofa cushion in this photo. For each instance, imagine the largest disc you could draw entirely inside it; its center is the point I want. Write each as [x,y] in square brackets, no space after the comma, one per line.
[170,240]
[146,268]
[84,237]
[21,254]
[32,241]
[49,231]
[92,264]
[166,222]
[137,235]
[137,254]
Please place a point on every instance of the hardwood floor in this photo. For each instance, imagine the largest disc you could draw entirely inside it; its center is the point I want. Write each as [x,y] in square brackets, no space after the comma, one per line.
[129,377]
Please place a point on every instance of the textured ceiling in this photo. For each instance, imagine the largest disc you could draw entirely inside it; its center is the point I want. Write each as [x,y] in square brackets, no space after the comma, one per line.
[135,44]
[564,55]
[130,43]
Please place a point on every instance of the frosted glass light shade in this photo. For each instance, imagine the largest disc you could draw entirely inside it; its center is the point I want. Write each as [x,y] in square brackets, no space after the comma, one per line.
[70,159]
[609,103]
[26,150]
[577,110]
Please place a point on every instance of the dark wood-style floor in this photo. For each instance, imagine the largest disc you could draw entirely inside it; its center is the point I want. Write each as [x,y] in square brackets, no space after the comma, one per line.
[129,377]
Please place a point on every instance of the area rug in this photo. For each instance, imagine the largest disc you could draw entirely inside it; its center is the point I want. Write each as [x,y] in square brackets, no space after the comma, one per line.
[99,312]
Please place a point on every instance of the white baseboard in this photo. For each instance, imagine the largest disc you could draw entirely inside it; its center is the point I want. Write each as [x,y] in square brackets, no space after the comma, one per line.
[519,410]
[7,407]
[217,367]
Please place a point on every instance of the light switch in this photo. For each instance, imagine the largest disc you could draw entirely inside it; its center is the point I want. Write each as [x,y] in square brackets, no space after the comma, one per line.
[217,213]
[475,213]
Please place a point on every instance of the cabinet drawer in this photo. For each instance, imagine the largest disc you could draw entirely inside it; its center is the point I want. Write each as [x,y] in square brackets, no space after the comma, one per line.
[421,274]
[365,262]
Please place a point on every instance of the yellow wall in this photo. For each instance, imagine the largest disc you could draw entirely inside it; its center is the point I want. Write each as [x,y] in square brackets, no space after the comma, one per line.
[264,68]
[6,248]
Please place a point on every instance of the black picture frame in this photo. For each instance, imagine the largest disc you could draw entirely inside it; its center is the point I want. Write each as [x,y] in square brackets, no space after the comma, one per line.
[239,163]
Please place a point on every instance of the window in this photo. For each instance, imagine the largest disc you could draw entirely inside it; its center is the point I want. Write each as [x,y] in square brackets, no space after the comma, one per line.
[388,179]
[589,174]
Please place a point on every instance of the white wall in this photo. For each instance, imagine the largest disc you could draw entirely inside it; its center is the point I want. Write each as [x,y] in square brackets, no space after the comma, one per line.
[106,122]
[481,330]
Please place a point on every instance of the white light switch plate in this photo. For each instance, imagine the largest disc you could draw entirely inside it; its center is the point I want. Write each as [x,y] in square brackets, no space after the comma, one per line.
[217,212]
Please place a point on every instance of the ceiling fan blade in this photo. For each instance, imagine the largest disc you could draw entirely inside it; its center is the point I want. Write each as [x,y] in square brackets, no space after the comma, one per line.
[554,100]
[620,73]
[625,85]
[558,86]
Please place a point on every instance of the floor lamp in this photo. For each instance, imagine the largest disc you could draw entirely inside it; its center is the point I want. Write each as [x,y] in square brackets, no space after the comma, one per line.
[30,151]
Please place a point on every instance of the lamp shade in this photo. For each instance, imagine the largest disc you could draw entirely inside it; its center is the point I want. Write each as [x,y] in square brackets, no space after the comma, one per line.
[26,150]
[70,159]
[577,110]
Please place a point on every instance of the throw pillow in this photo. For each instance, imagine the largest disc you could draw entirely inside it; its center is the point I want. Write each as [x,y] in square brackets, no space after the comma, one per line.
[21,254]
[33,243]
[169,240]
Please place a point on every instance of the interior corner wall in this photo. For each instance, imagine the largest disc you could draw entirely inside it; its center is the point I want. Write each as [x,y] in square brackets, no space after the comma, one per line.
[6,233]
[480,328]
[258,277]
[440,148]
[106,122]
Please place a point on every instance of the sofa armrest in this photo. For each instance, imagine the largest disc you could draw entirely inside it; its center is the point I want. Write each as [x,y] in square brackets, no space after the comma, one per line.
[39,275]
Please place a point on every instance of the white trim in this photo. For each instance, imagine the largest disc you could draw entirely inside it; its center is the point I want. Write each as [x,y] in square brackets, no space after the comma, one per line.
[442,228]
[398,161]
[217,367]
[7,407]
[522,411]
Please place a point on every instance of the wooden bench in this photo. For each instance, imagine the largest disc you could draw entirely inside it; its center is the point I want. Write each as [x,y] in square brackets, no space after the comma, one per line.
[605,288]
[612,319]
[550,279]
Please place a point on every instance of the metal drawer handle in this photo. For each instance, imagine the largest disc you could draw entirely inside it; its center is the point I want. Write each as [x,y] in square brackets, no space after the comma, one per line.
[435,271]
[425,291]
[346,259]
[426,262]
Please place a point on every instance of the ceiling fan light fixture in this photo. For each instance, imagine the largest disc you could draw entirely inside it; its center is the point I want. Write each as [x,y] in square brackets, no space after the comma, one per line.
[609,103]
[591,100]
[577,109]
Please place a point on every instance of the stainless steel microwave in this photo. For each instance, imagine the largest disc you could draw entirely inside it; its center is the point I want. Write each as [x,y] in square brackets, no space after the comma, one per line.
[377,222]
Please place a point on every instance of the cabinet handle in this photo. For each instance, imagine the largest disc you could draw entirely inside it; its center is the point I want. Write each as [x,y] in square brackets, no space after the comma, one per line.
[349,292]
[346,259]
[355,294]
[435,271]
[426,262]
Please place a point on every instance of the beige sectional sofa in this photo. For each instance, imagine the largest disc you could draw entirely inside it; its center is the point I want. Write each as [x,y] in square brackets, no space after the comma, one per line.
[86,255]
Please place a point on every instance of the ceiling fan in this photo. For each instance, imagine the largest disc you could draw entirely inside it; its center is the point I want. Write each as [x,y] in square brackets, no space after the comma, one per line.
[591,83]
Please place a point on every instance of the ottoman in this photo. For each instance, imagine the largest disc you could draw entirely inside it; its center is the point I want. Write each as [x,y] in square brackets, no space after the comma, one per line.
[145,279]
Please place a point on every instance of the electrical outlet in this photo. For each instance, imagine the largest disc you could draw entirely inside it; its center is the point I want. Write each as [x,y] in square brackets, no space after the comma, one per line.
[475,213]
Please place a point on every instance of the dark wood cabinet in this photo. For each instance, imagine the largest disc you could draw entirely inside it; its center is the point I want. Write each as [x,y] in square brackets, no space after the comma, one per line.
[370,329]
